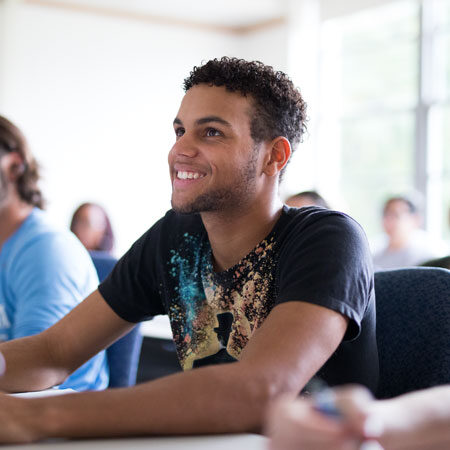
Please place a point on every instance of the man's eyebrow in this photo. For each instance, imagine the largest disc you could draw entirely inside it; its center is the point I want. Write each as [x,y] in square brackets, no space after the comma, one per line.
[208,119]
[204,120]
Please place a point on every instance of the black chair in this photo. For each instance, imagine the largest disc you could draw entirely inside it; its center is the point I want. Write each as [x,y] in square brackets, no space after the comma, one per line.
[440,262]
[123,355]
[413,329]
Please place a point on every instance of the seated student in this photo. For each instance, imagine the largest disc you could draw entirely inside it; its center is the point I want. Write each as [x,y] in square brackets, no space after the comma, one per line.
[407,244]
[415,421]
[285,292]
[307,198]
[91,225]
[44,272]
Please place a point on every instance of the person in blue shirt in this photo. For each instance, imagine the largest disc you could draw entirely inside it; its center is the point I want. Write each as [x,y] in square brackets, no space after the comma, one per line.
[44,272]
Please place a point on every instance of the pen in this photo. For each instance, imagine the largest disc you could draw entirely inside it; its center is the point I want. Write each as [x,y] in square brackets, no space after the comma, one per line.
[324,400]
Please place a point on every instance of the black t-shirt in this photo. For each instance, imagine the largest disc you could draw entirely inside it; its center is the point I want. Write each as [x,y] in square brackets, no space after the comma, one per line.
[312,254]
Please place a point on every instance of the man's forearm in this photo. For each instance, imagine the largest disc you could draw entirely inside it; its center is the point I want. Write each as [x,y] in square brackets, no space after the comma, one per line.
[208,400]
[29,365]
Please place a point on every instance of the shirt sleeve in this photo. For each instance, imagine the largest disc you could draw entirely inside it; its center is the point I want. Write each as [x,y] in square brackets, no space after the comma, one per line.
[327,262]
[132,289]
[51,276]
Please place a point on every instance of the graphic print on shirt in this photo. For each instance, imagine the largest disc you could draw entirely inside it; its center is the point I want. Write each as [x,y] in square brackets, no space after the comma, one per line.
[223,334]
[213,315]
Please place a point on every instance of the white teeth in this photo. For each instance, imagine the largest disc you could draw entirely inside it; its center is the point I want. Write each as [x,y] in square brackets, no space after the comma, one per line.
[183,175]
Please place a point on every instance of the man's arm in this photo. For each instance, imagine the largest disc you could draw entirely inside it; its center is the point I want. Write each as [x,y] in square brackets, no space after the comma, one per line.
[46,359]
[292,344]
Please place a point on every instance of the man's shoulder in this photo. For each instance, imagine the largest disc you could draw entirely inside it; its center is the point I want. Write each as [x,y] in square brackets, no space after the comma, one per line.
[40,240]
[36,231]
[313,218]
[48,258]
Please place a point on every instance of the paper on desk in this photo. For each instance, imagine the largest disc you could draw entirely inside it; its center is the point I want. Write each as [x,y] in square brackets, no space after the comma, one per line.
[45,393]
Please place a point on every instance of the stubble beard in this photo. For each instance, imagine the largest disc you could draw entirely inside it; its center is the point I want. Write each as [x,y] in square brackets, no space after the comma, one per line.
[227,198]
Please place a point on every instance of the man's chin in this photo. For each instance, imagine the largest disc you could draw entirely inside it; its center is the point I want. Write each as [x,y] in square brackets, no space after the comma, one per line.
[193,207]
[184,208]
[216,201]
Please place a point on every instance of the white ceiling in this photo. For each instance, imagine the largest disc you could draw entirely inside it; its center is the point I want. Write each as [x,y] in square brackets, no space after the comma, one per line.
[230,13]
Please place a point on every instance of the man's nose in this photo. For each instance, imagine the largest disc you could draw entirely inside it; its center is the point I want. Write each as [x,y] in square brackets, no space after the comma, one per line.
[185,146]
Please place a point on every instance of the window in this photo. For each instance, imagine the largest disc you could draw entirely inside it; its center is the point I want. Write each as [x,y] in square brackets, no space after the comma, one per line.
[385,108]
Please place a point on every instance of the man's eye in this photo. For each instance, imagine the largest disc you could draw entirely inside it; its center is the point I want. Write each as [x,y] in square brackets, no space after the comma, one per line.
[179,132]
[211,132]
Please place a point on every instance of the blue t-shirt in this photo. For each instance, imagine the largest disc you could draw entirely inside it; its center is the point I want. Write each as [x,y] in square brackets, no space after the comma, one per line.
[44,273]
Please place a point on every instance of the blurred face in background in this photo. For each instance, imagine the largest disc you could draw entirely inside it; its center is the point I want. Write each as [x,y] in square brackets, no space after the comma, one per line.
[398,219]
[89,226]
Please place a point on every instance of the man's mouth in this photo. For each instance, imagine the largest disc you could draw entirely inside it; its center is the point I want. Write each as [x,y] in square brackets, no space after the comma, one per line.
[185,175]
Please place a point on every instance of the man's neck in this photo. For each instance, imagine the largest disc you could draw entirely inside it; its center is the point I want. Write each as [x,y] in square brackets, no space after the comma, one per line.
[12,215]
[233,235]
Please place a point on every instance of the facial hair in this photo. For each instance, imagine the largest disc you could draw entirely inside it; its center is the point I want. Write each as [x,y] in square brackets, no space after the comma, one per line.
[221,199]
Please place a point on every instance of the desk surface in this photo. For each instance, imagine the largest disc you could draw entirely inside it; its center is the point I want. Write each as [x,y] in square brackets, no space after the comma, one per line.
[218,442]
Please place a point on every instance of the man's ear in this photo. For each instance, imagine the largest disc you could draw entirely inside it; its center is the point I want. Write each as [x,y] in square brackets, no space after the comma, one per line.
[12,166]
[278,155]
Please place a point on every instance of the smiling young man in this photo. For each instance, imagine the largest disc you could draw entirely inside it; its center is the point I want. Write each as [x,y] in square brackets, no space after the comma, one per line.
[277,294]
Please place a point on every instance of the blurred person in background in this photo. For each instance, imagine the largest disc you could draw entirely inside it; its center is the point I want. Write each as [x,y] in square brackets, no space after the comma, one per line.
[307,198]
[407,244]
[92,226]
[415,421]
[44,272]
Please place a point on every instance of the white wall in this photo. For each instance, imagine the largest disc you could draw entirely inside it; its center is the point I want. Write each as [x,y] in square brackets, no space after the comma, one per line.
[96,97]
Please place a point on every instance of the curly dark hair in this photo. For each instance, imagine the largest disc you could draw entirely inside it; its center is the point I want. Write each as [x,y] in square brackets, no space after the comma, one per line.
[12,140]
[279,109]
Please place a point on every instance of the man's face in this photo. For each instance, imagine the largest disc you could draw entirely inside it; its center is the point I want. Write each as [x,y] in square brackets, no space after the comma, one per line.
[214,161]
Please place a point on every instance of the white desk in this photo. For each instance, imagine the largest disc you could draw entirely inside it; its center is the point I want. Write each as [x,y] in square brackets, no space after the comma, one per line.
[218,442]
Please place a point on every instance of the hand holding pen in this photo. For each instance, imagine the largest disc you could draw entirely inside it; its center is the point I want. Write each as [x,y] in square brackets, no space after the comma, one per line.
[349,406]
[338,419]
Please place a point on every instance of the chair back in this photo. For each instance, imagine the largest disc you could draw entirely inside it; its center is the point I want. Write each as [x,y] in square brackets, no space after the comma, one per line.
[413,329]
[123,355]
